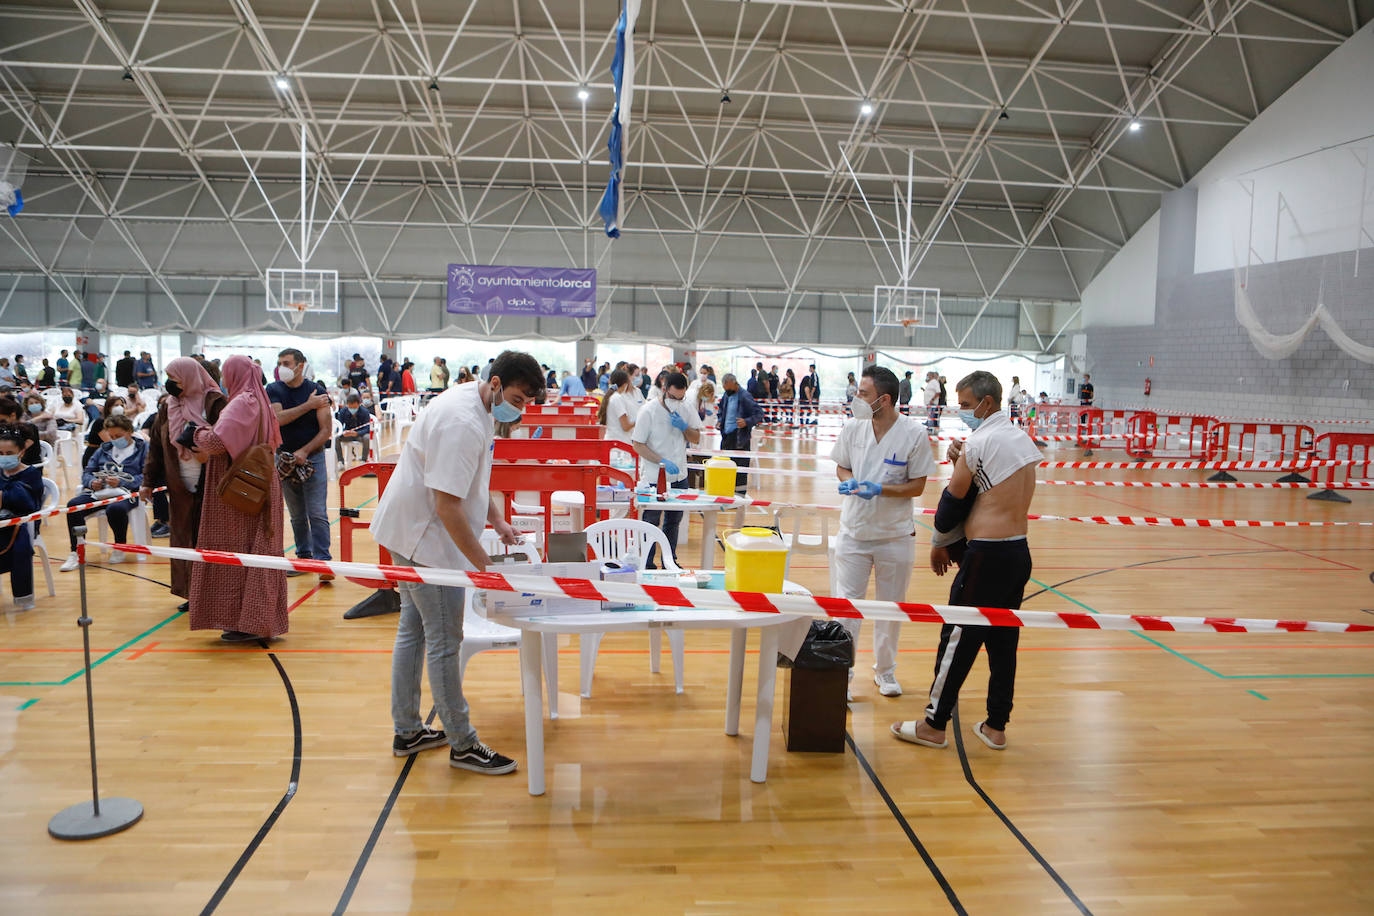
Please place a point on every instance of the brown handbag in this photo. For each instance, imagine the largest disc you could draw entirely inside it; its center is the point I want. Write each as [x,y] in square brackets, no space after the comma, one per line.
[247,486]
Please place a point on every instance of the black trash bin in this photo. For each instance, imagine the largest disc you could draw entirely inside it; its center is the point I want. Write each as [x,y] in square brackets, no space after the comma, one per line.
[814,698]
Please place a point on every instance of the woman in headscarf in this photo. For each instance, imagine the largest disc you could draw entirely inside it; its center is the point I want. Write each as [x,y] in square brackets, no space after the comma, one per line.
[245,602]
[193,398]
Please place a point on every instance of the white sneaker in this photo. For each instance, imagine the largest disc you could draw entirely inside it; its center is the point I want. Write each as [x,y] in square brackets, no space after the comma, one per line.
[70,563]
[116,556]
[887,684]
[24,604]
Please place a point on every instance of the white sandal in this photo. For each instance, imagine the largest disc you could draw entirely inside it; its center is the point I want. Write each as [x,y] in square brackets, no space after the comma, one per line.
[906,731]
[978,730]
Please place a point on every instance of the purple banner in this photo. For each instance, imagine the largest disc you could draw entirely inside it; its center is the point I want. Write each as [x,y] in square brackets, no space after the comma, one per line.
[533,292]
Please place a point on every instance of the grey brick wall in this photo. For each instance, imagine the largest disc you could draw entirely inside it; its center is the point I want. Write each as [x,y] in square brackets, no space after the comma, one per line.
[1205,363]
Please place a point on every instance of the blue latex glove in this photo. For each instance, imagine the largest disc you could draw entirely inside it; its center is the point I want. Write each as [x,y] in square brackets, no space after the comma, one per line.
[848,486]
[670,468]
[868,489]
[678,424]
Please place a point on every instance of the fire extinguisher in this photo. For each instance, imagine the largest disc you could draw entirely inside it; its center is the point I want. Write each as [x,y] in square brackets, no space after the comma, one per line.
[1147,386]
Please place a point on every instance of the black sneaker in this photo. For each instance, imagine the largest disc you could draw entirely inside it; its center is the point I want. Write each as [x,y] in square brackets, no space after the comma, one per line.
[238,636]
[293,573]
[481,759]
[161,530]
[422,740]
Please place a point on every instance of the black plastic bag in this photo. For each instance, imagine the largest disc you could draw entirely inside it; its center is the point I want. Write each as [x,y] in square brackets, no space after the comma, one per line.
[827,646]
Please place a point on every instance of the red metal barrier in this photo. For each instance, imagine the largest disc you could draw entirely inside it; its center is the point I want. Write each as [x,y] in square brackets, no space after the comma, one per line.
[1238,441]
[509,478]
[1355,446]
[599,451]
[1150,435]
[347,524]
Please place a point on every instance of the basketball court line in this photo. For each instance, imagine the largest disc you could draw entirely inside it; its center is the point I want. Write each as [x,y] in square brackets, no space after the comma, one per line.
[935,872]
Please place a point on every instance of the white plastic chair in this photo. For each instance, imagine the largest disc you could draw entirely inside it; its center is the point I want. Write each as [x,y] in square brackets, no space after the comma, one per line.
[481,634]
[47,453]
[622,537]
[52,497]
[67,451]
[331,460]
[801,543]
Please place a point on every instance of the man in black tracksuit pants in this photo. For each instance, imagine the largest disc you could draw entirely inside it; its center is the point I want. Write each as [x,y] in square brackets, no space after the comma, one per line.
[997,466]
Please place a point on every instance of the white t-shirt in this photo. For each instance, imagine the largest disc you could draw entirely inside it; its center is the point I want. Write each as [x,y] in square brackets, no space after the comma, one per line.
[931,392]
[654,428]
[449,449]
[903,454]
[996,450]
[621,405]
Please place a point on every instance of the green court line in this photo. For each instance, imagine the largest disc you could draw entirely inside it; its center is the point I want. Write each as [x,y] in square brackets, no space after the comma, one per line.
[1258,694]
[26,704]
[76,674]
[108,655]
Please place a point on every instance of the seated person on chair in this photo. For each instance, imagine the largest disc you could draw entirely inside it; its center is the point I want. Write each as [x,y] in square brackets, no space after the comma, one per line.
[12,414]
[357,426]
[117,465]
[69,413]
[21,492]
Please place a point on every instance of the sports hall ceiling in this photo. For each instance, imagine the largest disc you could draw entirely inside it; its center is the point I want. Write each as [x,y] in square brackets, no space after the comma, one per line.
[146,118]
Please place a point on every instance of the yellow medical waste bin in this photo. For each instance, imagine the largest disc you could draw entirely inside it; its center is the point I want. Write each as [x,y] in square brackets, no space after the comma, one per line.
[720,477]
[755,560]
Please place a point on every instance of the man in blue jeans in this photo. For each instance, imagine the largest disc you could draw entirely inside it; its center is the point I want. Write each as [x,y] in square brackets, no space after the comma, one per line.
[302,410]
[432,514]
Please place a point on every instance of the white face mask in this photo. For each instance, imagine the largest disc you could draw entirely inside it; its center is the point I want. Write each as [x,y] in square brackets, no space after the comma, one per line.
[861,409]
[636,380]
[117,411]
[673,404]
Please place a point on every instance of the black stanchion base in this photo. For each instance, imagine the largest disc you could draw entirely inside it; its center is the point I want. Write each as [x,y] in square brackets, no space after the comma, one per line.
[1293,478]
[382,601]
[1221,477]
[1329,496]
[80,822]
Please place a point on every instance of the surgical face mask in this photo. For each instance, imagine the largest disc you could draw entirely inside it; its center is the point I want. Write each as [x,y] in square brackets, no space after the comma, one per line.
[35,408]
[502,411]
[117,410]
[354,409]
[9,462]
[971,418]
[367,401]
[673,404]
[122,444]
[636,380]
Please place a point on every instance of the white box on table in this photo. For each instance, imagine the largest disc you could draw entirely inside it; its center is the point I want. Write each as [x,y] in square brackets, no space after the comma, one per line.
[513,604]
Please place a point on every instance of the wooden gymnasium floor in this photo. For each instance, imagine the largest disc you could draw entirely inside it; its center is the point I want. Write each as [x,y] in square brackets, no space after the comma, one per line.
[1146,774]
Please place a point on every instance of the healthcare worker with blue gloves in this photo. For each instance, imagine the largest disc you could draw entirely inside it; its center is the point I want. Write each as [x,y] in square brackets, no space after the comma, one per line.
[663,429]
[882,459]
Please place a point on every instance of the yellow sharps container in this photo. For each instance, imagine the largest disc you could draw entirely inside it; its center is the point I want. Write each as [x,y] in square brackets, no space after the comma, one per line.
[720,477]
[755,560]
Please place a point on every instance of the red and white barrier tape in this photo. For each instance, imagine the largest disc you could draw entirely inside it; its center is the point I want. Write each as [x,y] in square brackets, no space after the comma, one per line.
[755,602]
[739,502]
[1208,485]
[1106,466]
[63,510]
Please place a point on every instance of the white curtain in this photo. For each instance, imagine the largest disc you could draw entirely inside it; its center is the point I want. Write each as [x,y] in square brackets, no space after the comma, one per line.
[1282,346]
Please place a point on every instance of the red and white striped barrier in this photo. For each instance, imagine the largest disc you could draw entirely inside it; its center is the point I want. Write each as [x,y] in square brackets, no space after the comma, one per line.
[63,510]
[1199,465]
[1207,485]
[756,602]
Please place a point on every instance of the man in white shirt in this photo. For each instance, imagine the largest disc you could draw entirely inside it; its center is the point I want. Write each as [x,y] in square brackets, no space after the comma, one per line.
[994,469]
[882,459]
[931,396]
[664,427]
[432,514]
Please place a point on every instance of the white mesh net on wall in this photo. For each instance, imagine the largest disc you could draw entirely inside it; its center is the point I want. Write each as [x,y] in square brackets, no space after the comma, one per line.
[1301,234]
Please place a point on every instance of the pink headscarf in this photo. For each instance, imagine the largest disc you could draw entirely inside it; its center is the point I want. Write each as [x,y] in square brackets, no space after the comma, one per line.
[247,419]
[189,406]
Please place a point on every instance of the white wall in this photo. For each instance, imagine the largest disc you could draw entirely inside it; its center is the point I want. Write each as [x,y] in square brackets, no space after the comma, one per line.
[1124,292]
[1330,106]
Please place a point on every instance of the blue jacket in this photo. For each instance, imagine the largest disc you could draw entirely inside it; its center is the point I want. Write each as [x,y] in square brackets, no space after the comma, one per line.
[749,412]
[22,493]
[131,465]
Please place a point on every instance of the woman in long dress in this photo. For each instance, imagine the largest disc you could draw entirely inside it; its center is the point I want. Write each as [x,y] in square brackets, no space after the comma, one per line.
[245,602]
[193,396]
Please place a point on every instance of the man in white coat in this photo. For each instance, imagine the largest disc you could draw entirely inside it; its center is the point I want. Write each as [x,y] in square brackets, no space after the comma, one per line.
[882,459]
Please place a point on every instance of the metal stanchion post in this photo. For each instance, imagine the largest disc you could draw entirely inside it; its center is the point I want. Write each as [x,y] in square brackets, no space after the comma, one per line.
[84,821]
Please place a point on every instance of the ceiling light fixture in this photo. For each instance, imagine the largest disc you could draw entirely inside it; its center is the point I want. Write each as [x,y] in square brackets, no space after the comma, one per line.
[283,84]
[1134,125]
[434,84]
[724,97]
[1004,116]
[866,108]
[128,75]
[583,94]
